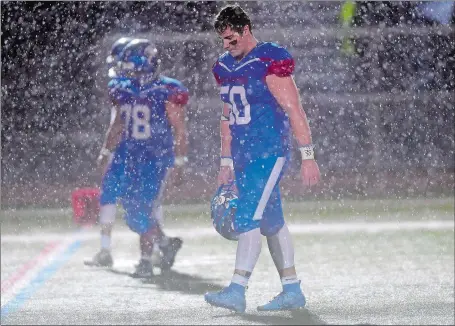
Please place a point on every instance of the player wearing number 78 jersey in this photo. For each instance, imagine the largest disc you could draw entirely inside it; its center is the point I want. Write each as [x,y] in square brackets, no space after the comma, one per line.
[261,105]
[149,137]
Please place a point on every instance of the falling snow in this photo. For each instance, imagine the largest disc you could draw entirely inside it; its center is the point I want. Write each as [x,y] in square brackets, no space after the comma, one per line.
[378,88]
[379,93]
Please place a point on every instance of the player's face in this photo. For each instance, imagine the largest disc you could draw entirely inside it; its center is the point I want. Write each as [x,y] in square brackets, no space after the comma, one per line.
[233,42]
[139,76]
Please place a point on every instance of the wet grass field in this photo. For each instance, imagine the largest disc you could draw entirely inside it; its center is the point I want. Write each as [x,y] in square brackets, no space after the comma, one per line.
[360,262]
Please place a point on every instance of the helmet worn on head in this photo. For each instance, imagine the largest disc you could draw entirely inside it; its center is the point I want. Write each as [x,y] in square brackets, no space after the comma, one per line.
[223,207]
[140,56]
[116,50]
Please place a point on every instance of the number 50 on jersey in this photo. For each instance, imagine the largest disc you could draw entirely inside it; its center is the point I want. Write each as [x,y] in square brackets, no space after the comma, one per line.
[240,108]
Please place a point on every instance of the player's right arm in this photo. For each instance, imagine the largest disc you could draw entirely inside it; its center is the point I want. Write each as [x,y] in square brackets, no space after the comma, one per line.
[226,174]
[111,140]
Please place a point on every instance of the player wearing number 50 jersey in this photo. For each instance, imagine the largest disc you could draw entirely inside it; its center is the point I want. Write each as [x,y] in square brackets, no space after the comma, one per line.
[261,105]
[149,137]
[258,125]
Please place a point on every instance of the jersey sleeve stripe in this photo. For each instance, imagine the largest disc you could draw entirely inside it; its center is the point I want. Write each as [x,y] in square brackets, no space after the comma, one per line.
[179,98]
[215,74]
[281,68]
[178,95]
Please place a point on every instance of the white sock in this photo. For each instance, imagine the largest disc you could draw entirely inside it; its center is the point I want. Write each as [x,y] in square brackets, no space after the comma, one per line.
[107,214]
[289,279]
[240,279]
[146,258]
[105,242]
[164,241]
[281,248]
[248,250]
[107,219]
[156,247]
[157,213]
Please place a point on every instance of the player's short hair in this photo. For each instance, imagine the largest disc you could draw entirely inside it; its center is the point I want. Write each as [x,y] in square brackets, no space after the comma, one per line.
[232,16]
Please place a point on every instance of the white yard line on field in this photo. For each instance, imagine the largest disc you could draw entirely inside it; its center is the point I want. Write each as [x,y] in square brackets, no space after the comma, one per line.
[18,286]
[303,228]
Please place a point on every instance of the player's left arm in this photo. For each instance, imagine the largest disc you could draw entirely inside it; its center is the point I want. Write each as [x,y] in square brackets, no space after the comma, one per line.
[176,113]
[115,130]
[286,94]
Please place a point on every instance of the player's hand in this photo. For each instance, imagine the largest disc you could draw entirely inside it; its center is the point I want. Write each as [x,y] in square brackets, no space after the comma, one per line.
[225,176]
[309,171]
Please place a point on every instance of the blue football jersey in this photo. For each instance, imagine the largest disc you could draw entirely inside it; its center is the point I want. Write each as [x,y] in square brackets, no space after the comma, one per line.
[259,126]
[147,133]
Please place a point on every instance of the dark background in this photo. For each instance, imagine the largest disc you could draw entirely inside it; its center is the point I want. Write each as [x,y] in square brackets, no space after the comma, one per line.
[55,111]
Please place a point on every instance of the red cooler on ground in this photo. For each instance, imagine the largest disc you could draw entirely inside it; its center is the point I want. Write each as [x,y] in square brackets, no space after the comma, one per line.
[86,205]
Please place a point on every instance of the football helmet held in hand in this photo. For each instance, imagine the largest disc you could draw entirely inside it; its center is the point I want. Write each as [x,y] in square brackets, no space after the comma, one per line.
[223,207]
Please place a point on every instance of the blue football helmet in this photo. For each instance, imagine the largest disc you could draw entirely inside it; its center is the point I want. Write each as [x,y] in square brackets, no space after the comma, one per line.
[114,57]
[139,58]
[223,207]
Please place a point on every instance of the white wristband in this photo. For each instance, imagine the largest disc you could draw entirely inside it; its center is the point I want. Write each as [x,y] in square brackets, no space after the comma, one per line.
[227,161]
[180,160]
[105,152]
[307,152]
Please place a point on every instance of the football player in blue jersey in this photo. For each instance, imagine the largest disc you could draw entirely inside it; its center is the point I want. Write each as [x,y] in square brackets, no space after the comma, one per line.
[261,107]
[108,210]
[138,151]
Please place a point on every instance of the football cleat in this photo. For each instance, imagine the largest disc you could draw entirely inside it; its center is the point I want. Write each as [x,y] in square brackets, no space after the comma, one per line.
[289,300]
[143,270]
[169,252]
[228,299]
[102,259]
